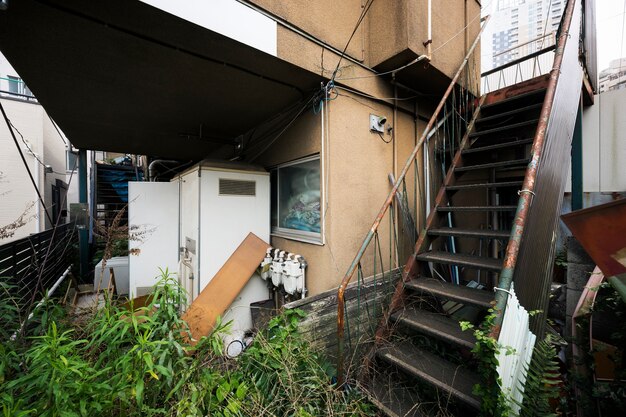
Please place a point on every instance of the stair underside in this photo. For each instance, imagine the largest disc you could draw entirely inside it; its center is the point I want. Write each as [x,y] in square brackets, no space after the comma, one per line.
[392,398]
[499,164]
[448,291]
[503,145]
[476,208]
[509,113]
[472,233]
[435,325]
[470,261]
[534,93]
[485,185]
[453,380]
[512,126]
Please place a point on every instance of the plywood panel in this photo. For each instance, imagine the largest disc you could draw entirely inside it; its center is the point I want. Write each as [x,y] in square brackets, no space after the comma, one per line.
[225,286]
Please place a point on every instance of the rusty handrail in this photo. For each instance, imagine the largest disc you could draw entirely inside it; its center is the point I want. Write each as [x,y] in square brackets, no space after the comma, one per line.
[527,191]
[368,238]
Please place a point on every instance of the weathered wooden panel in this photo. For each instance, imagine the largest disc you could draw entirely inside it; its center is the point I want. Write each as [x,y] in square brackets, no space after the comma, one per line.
[365,303]
[224,286]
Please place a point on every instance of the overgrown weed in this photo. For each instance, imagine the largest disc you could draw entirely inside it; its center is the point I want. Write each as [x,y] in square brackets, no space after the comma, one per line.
[140,363]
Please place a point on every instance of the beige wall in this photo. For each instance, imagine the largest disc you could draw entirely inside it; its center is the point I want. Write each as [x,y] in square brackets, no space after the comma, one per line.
[392,28]
[357,163]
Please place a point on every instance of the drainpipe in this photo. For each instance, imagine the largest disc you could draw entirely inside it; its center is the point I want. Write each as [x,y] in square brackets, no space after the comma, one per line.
[83,232]
[577,162]
[429,41]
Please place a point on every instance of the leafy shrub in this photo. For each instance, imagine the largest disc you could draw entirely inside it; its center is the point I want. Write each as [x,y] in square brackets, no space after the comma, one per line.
[140,363]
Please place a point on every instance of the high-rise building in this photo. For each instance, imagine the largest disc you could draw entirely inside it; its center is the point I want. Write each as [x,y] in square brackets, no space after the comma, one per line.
[613,77]
[518,28]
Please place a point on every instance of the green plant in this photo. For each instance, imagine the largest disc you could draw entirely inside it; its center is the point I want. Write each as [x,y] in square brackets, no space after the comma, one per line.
[140,362]
[494,402]
[542,380]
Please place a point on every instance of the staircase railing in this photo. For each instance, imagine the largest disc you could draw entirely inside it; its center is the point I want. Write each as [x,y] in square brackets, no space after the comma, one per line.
[541,196]
[447,126]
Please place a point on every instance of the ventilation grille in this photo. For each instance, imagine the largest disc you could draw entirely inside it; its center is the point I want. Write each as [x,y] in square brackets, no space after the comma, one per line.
[237,187]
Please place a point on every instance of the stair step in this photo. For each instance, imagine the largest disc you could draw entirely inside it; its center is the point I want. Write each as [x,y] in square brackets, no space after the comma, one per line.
[531,94]
[476,208]
[470,261]
[436,325]
[454,380]
[509,113]
[473,233]
[485,185]
[391,397]
[459,293]
[504,128]
[502,145]
[500,164]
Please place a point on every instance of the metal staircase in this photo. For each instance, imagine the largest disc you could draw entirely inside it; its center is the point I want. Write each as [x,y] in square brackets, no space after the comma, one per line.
[480,192]
[493,222]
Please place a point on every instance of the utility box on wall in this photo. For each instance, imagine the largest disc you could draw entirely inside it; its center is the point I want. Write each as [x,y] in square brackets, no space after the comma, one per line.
[210,209]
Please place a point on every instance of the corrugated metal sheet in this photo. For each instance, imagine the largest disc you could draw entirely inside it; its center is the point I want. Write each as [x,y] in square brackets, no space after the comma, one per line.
[513,365]
[533,271]
[590,43]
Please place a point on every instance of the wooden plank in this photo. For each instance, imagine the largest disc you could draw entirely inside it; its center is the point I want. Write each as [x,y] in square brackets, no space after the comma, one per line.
[225,286]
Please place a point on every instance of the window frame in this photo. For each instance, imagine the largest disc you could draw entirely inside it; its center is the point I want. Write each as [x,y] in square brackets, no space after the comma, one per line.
[315,238]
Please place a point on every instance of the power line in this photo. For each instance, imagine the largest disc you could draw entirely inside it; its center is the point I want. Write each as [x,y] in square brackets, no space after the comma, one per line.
[32,180]
[25,142]
[356,27]
[58,130]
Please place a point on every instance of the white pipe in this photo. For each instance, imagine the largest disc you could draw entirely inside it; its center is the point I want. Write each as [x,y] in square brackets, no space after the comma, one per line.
[430,27]
[40,303]
[323,171]
[38,210]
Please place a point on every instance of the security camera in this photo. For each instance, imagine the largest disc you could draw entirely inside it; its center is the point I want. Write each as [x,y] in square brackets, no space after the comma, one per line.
[377,123]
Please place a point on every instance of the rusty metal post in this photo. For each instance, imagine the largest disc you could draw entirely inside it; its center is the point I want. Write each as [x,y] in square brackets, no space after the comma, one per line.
[527,191]
[368,238]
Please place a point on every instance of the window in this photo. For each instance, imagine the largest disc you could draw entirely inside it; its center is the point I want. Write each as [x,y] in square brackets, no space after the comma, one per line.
[17,86]
[14,84]
[295,194]
[70,160]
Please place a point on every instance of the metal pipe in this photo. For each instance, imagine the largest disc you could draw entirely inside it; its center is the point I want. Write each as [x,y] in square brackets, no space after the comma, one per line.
[37,184]
[158,162]
[525,200]
[430,29]
[40,303]
[370,235]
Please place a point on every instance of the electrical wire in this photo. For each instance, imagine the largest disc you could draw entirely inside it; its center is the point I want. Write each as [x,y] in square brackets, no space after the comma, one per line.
[30,150]
[275,138]
[59,132]
[356,27]
[415,61]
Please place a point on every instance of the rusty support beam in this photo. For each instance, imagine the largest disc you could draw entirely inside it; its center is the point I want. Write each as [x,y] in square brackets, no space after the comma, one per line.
[528,189]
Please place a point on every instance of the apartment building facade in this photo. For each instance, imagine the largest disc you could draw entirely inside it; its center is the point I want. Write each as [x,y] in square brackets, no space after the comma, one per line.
[234,80]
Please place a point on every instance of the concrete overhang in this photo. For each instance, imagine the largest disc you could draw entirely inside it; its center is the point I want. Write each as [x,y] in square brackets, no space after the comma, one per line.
[124,76]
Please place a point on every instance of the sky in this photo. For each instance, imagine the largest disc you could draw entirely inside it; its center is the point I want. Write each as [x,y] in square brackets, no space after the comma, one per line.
[611,36]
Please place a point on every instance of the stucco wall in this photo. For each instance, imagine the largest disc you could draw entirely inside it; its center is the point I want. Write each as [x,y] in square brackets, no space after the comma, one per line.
[357,163]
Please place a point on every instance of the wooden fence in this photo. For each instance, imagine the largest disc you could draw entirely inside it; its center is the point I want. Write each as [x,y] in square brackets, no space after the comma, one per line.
[32,264]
